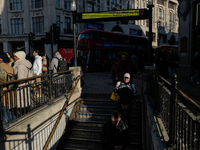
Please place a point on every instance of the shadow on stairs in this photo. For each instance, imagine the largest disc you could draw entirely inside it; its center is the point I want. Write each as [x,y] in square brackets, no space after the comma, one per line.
[87,119]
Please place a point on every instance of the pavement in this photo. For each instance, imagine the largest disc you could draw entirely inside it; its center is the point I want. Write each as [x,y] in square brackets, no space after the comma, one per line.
[101,83]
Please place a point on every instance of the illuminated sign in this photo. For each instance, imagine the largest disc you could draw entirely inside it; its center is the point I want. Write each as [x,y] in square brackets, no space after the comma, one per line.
[113,14]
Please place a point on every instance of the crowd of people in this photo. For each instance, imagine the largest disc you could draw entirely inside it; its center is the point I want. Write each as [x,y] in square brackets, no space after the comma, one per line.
[21,66]
[116,132]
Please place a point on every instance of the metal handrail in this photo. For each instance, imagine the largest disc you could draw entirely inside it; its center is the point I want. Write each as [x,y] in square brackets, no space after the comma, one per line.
[60,115]
[32,78]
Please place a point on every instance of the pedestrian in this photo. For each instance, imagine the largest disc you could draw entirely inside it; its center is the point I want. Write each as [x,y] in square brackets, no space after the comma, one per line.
[126,93]
[45,64]
[196,65]
[114,71]
[115,133]
[22,67]
[125,65]
[37,69]
[162,63]
[174,61]
[12,61]
[5,71]
[55,62]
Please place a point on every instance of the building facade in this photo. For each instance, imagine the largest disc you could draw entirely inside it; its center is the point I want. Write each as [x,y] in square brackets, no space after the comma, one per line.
[189,34]
[19,17]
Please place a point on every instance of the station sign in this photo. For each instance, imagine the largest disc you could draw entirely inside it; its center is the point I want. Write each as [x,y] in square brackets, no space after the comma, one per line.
[132,14]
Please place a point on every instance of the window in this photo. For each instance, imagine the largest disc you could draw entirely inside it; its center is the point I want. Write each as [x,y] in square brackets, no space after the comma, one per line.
[171,17]
[171,5]
[37,4]
[58,21]
[67,4]
[160,2]
[98,8]
[67,25]
[162,38]
[0,27]
[17,26]
[16,4]
[57,3]
[83,6]
[108,2]
[90,7]
[38,25]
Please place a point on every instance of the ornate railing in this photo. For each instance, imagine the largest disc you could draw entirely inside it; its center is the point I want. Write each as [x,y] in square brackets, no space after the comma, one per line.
[178,111]
[20,97]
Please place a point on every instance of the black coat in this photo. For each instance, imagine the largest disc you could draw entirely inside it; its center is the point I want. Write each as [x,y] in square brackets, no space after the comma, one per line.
[111,136]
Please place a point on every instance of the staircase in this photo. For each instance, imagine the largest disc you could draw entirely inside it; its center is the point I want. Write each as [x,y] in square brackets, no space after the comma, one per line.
[87,119]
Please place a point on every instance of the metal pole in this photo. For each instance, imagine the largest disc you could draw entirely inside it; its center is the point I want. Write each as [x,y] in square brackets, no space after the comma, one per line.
[74,35]
[51,34]
[150,35]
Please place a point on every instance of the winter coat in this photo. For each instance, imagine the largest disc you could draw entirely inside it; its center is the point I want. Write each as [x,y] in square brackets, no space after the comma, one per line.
[173,57]
[22,67]
[8,96]
[127,92]
[112,135]
[125,67]
[54,63]
[37,65]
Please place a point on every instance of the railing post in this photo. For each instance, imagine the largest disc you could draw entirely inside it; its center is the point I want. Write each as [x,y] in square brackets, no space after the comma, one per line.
[3,111]
[173,99]
[50,87]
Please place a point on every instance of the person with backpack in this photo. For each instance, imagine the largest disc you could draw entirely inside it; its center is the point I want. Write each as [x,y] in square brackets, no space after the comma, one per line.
[6,74]
[58,63]
[22,67]
[126,93]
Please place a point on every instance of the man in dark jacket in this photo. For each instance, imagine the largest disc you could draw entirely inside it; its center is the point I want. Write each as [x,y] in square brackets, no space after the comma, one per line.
[125,92]
[115,134]
[174,61]
[125,65]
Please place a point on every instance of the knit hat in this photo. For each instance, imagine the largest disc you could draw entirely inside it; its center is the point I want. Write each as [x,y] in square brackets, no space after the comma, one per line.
[124,53]
[127,75]
[20,54]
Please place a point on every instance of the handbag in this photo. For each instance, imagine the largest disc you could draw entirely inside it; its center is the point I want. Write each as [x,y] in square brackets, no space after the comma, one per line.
[113,97]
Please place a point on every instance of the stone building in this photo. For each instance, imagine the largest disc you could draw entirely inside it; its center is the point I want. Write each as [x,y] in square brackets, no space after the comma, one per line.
[20,17]
[189,34]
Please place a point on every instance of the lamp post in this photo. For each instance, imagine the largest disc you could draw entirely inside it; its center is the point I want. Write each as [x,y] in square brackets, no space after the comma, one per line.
[158,26]
[73,9]
[150,54]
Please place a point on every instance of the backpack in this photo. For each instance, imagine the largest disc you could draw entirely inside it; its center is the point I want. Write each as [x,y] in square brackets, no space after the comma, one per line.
[62,64]
[30,74]
[11,77]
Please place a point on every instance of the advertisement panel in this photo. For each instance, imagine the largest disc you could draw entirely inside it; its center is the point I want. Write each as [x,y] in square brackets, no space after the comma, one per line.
[66,53]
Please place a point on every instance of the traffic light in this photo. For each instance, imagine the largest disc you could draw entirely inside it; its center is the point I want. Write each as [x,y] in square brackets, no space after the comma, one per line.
[48,38]
[56,33]
[31,36]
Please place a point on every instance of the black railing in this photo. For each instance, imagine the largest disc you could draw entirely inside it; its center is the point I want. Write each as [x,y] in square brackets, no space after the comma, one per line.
[26,95]
[179,112]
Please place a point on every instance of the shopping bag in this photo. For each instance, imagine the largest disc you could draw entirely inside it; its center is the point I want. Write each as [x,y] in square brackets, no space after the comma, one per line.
[113,97]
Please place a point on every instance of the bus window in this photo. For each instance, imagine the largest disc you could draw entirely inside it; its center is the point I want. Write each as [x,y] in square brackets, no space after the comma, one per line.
[84,36]
[83,55]
[107,55]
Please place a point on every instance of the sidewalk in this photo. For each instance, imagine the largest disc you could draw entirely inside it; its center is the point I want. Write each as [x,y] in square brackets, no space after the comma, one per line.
[101,83]
[189,87]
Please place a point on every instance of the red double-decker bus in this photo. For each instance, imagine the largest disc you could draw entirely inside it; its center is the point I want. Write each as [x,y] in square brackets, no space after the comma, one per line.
[98,49]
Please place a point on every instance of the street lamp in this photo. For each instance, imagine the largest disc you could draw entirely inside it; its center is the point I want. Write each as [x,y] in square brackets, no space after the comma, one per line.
[73,9]
[150,54]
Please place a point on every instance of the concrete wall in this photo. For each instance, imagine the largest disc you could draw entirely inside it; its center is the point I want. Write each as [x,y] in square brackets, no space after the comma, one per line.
[31,131]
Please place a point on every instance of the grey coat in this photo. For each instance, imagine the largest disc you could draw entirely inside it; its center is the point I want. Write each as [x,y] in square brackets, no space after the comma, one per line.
[23,93]
[54,63]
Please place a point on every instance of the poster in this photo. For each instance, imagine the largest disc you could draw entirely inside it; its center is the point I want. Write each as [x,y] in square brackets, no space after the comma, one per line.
[66,53]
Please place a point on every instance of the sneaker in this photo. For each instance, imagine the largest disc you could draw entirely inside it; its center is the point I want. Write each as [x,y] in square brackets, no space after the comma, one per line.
[191,78]
[198,82]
